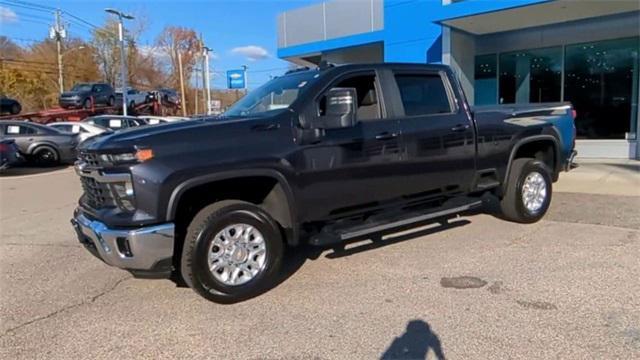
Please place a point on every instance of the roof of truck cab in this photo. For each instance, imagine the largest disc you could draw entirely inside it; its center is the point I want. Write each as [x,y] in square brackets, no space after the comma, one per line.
[393,66]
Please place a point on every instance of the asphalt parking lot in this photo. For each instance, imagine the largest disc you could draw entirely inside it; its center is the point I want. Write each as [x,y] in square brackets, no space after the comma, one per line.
[566,287]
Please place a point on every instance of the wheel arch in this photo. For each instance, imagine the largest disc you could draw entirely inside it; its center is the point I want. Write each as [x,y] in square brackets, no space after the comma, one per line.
[272,198]
[40,144]
[538,140]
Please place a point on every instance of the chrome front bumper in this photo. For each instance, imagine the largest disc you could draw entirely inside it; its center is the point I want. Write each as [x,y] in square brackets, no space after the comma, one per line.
[148,249]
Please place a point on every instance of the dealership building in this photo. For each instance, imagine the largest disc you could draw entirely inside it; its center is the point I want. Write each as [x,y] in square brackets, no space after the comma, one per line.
[504,52]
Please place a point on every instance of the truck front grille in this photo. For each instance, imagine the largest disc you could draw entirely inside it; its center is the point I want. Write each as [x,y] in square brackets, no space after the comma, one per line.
[90,159]
[96,195]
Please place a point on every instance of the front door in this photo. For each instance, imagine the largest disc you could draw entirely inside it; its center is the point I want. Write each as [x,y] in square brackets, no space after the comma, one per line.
[351,170]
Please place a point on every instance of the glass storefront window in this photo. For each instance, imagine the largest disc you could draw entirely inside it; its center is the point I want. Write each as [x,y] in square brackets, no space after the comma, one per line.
[531,76]
[601,81]
[485,82]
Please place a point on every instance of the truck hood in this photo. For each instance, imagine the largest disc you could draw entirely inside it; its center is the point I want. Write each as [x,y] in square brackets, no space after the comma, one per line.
[161,134]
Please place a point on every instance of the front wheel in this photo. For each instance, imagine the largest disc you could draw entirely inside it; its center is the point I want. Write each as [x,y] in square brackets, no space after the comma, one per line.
[111,101]
[529,190]
[232,251]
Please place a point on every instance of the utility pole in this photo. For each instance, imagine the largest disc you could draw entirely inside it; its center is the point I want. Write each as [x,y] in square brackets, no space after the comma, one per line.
[195,105]
[123,62]
[58,33]
[206,79]
[184,102]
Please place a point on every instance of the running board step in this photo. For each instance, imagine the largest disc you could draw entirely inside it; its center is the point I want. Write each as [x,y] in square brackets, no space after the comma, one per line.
[336,234]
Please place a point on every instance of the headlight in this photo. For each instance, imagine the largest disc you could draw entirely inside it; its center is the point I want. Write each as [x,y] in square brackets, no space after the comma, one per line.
[140,155]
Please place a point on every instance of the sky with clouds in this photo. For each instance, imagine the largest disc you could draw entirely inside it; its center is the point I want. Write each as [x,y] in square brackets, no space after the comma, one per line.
[240,32]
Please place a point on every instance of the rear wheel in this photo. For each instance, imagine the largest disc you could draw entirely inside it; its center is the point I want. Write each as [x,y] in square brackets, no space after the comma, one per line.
[86,103]
[529,190]
[111,101]
[232,251]
[45,156]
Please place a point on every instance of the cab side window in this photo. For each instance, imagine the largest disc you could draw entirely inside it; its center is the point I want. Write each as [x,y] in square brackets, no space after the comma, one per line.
[368,96]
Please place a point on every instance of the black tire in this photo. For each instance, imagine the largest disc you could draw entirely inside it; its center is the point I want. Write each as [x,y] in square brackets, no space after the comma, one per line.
[15,109]
[111,101]
[86,104]
[200,234]
[512,205]
[132,105]
[45,156]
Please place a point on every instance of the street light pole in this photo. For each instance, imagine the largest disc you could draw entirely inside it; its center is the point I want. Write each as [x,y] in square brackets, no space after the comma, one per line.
[207,82]
[246,79]
[123,63]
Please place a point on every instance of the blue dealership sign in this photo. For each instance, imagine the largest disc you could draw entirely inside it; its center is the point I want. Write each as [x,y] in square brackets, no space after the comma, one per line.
[236,79]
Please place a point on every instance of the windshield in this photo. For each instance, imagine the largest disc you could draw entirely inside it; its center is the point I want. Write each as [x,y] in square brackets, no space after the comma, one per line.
[81,87]
[276,94]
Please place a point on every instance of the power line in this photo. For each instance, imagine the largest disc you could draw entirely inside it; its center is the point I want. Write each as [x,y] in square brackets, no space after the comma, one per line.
[30,4]
[22,7]
[35,21]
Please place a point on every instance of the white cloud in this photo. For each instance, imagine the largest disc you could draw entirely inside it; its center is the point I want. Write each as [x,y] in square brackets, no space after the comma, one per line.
[7,16]
[251,52]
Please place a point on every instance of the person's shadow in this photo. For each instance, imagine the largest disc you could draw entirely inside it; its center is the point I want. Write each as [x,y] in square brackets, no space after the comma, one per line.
[414,343]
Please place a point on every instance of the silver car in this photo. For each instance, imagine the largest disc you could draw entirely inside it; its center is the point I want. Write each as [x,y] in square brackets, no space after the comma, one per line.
[40,144]
[84,130]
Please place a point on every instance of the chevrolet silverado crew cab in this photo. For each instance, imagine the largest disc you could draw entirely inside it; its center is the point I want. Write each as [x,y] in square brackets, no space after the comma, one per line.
[318,156]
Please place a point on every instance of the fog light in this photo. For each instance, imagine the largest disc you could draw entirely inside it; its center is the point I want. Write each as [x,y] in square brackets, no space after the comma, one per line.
[124,194]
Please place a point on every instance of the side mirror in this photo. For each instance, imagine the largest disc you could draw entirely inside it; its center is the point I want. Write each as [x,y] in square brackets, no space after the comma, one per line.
[340,109]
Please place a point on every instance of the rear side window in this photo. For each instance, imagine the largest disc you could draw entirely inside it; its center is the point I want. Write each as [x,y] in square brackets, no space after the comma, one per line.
[423,94]
[19,130]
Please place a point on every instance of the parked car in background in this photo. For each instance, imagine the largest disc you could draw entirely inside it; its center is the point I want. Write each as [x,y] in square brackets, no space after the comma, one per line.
[169,96]
[115,122]
[9,106]
[40,144]
[9,153]
[154,120]
[82,95]
[134,97]
[83,130]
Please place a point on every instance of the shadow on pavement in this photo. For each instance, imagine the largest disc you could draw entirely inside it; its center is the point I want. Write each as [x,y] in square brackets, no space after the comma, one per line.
[415,343]
[295,257]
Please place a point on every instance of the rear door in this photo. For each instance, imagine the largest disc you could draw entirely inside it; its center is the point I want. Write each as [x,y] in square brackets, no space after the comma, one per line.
[351,170]
[24,135]
[438,136]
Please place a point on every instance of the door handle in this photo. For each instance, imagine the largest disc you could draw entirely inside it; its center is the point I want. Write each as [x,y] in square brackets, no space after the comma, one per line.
[386,136]
[460,127]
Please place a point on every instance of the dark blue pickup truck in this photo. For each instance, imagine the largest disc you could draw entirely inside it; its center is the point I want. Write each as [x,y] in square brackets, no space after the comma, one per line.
[321,156]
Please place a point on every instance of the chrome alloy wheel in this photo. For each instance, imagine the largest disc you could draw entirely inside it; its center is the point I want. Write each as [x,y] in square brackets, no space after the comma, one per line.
[237,254]
[534,192]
